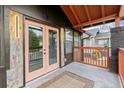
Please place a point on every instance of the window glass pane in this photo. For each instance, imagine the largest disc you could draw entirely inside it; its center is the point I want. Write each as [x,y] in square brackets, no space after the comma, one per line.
[68,45]
[102,43]
[122,23]
[35,48]
[52,47]
[77,39]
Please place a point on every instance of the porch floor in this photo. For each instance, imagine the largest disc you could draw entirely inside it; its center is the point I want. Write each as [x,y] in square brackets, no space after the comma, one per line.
[102,77]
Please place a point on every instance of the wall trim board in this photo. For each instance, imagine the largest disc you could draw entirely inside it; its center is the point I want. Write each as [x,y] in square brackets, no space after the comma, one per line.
[6,37]
[2,50]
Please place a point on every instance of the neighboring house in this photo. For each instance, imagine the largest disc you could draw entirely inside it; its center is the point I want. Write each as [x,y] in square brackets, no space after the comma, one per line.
[100,40]
[100,36]
[103,39]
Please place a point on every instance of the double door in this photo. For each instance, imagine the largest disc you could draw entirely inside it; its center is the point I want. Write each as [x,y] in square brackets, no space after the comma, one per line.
[41,49]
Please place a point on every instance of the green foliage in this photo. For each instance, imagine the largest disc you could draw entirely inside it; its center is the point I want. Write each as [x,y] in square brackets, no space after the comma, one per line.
[34,40]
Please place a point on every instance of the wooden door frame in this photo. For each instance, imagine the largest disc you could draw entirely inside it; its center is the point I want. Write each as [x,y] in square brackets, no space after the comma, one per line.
[45,26]
[56,65]
[31,75]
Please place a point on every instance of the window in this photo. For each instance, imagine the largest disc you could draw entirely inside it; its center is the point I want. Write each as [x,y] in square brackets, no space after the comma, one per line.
[102,42]
[122,22]
[77,39]
[68,45]
[35,48]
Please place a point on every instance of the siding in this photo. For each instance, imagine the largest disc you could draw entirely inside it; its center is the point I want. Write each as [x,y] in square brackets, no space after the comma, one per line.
[117,41]
[50,14]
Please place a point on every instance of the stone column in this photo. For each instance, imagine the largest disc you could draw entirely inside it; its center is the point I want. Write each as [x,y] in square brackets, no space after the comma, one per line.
[117,41]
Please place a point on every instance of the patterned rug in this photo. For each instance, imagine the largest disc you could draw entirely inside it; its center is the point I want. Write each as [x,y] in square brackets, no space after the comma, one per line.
[68,80]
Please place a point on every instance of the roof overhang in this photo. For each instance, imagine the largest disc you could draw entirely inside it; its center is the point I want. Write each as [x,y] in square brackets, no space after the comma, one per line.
[88,15]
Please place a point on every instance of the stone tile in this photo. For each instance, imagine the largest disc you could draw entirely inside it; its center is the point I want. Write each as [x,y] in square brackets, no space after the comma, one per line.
[103,78]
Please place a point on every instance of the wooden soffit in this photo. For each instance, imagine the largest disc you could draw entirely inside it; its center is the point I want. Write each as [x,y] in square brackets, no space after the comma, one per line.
[88,15]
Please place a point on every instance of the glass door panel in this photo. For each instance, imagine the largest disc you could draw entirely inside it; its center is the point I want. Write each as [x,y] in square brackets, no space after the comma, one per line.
[52,47]
[35,48]
[41,49]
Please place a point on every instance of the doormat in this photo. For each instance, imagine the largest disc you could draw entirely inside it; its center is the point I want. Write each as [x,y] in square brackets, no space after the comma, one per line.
[68,80]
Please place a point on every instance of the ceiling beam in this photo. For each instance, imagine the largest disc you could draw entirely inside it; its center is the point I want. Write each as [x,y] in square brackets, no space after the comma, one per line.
[103,11]
[87,12]
[121,11]
[106,18]
[86,32]
[74,13]
[117,21]
[79,29]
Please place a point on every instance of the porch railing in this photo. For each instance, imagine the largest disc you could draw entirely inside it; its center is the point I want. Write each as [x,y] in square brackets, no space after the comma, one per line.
[121,64]
[97,56]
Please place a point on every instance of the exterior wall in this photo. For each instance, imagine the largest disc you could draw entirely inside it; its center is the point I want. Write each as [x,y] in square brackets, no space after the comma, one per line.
[48,14]
[117,41]
[2,52]
[14,46]
[15,72]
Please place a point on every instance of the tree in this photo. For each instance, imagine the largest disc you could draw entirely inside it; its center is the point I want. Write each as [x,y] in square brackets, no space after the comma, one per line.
[34,40]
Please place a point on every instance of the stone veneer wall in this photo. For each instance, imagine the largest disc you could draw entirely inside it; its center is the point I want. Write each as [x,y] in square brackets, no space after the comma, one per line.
[15,72]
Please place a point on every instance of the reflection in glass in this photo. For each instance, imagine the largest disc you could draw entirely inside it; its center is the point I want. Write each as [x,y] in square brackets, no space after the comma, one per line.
[68,45]
[35,48]
[77,39]
[52,47]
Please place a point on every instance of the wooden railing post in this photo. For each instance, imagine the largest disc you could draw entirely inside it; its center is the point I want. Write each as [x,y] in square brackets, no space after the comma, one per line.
[121,64]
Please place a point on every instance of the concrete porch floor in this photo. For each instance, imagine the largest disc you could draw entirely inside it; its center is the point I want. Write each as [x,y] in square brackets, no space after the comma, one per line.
[102,77]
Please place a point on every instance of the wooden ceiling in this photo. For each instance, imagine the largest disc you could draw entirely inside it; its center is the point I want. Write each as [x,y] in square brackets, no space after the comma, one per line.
[87,15]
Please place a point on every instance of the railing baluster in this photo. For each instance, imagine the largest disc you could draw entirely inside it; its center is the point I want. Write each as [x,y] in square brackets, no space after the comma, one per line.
[94,62]
[89,56]
[102,56]
[97,56]
[86,56]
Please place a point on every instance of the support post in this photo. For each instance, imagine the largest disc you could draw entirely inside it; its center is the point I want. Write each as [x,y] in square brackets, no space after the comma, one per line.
[117,22]
[121,12]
